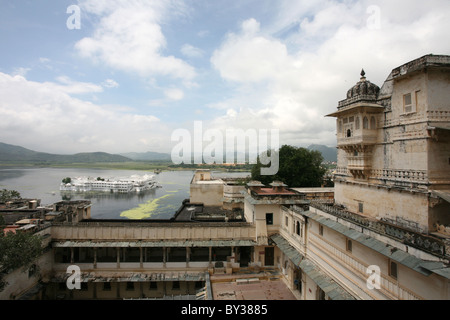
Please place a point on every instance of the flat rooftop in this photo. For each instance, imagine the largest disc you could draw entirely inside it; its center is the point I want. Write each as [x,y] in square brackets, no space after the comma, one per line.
[250,286]
[273,191]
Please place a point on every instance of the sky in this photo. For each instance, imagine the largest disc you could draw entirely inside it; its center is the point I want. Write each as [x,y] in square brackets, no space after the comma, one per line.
[122,76]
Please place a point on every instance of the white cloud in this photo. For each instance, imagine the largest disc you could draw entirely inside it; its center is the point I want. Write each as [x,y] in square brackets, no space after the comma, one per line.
[21,71]
[110,83]
[291,83]
[129,37]
[174,94]
[74,87]
[45,117]
[249,56]
[191,51]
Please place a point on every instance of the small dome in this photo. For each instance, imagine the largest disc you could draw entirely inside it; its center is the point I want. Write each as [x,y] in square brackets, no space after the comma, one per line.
[363,87]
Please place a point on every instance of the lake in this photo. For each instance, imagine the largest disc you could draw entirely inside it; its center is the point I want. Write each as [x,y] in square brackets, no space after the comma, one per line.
[159,203]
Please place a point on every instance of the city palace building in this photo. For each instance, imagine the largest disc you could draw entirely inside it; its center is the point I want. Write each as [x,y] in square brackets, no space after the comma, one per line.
[382,232]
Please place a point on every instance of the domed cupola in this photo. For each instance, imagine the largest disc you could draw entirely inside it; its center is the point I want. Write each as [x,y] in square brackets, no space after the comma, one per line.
[363,88]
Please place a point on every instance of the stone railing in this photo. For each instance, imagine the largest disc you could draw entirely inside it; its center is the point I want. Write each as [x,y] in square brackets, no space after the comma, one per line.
[438,115]
[430,115]
[368,98]
[367,137]
[341,171]
[413,176]
[395,175]
[409,237]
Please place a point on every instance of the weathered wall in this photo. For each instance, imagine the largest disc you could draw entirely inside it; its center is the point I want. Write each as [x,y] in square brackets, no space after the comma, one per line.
[210,193]
[157,232]
[384,203]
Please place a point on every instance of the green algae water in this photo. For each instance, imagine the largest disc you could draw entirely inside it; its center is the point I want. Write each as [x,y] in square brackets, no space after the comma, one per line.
[159,203]
[149,209]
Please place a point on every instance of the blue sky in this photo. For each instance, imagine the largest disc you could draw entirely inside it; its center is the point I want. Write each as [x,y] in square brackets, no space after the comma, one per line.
[137,70]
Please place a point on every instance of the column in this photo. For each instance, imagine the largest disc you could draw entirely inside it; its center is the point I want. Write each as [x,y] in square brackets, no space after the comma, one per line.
[164,256]
[141,257]
[71,255]
[95,257]
[188,254]
[118,257]
[210,255]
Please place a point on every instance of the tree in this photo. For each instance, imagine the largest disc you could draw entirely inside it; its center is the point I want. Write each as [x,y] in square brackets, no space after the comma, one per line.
[298,167]
[66,180]
[17,250]
[6,195]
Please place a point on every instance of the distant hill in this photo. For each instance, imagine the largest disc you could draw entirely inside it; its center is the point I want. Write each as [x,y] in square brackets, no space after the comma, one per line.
[328,153]
[12,153]
[147,156]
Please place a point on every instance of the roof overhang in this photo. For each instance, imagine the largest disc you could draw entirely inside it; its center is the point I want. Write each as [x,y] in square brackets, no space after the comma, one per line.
[331,288]
[443,194]
[368,107]
[393,253]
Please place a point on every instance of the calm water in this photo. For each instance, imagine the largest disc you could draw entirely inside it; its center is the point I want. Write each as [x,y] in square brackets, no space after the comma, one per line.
[160,203]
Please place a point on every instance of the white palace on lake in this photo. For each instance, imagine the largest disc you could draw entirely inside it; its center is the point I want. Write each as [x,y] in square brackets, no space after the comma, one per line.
[134,183]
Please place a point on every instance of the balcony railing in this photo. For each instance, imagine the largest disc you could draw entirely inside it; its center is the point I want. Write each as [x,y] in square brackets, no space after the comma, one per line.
[362,162]
[413,176]
[366,137]
[394,175]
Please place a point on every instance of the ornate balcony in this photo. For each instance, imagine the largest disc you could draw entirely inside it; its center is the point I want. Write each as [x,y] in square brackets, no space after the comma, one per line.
[358,141]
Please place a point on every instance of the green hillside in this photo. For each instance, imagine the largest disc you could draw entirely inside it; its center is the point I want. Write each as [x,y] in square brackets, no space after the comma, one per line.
[12,153]
[328,153]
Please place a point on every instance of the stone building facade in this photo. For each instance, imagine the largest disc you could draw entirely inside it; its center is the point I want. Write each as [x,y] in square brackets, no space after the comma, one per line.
[394,148]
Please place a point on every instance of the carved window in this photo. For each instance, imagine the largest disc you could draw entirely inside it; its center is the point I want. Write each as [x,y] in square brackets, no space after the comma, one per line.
[365,123]
[357,123]
[407,103]
[393,271]
[373,124]
[349,133]
[269,218]
[360,207]
[348,245]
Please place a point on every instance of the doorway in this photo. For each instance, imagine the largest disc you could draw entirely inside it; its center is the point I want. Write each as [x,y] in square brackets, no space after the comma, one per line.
[269,256]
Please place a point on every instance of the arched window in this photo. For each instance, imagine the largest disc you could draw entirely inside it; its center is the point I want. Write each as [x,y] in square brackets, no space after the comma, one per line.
[365,123]
[349,133]
[373,123]
[357,123]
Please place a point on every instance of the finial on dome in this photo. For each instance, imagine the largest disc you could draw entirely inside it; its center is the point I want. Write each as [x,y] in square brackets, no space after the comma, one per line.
[363,73]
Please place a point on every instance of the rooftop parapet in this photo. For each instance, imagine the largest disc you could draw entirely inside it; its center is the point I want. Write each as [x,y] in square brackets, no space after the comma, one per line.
[427,61]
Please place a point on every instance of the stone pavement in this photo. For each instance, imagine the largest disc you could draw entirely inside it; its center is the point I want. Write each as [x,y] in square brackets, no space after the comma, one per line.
[250,287]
